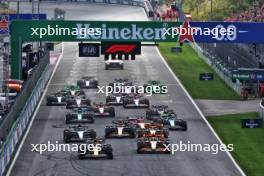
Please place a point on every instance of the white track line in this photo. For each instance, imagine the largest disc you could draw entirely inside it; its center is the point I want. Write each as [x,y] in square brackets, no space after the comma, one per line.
[34,116]
[200,112]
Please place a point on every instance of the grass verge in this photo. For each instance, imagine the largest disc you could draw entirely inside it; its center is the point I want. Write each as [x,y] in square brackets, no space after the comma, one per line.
[248,143]
[187,66]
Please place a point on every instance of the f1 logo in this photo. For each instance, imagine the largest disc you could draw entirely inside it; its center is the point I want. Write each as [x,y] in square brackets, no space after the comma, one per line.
[120,48]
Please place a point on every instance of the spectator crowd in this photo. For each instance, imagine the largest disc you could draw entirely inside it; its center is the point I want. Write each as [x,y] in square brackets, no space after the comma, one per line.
[255,13]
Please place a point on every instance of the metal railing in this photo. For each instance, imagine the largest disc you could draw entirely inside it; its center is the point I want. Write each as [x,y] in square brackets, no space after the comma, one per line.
[218,68]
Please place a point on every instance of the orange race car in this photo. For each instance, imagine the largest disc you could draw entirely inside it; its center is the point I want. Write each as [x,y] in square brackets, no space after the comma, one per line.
[153,145]
[153,132]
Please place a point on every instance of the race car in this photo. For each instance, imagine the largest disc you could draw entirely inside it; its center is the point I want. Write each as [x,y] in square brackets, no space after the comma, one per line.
[120,130]
[114,64]
[98,150]
[137,122]
[124,85]
[103,110]
[153,132]
[80,115]
[115,99]
[156,111]
[155,86]
[135,101]
[77,102]
[153,145]
[87,82]
[153,125]
[61,97]
[74,91]
[58,98]
[78,133]
[171,121]
[122,82]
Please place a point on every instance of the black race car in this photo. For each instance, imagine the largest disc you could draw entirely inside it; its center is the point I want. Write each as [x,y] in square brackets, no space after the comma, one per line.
[87,82]
[156,111]
[135,101]
[153,145]
[61,97]
[115,99]
[58,98]
[98,150]
[171,121]
[120,129]
[103,110]
[78,133]
[114,64]
[77,102]
[80,115]
[122,82]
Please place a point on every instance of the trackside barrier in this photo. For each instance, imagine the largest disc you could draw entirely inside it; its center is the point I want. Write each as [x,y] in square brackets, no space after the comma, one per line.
[21,100]
[235,86]
[14,137]
[261,110]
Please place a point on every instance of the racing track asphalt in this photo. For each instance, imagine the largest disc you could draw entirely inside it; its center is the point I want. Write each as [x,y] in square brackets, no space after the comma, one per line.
[49,122]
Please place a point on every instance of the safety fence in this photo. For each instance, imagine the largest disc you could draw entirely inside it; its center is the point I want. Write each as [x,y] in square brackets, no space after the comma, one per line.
[22,97]
[22,121]
[224,74]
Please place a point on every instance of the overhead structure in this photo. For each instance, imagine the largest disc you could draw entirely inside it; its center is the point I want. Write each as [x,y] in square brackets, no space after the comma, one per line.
[132,31]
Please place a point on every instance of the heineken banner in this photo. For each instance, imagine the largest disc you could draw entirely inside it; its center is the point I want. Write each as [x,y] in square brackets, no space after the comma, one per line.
[132,31]
[208,32]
